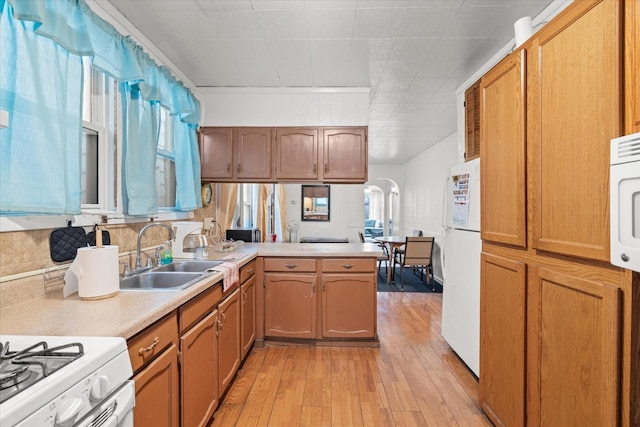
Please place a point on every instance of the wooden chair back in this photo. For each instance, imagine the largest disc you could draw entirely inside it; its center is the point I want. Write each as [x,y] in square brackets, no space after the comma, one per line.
[418,251]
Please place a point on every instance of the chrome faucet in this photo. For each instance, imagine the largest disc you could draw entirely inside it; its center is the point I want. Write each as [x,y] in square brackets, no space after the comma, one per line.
[138,248]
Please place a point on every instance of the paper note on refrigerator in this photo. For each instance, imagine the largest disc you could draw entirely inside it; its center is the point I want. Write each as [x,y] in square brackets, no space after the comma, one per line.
[460,199]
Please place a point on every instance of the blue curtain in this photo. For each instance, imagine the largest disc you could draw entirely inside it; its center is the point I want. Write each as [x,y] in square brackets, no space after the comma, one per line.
[40,151]
[140,148]
[187,166]
[69,26]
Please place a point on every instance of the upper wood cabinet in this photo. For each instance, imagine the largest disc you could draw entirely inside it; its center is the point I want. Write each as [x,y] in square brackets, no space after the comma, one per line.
[216,153]
[632,66]
[472,121]
[344,154]
[503,152]
[236,154]
[574,79]
[297,153]
[317,154]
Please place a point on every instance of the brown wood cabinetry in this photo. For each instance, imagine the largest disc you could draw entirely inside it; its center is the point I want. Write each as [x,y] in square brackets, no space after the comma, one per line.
[154,359]
[503,216]
[297,154]
[301,154]
[248,310]
[228,340]
[325,298]
[290,298]
[349,298]
[198,321]
[344,154]
[559,340]
[236,154]
[472,121]
[632,66]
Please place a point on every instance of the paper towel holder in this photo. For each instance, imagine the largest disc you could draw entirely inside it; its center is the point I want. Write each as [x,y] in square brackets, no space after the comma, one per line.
[523,29]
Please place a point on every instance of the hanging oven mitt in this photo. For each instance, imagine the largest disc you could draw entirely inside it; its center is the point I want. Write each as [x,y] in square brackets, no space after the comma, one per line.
[64,242]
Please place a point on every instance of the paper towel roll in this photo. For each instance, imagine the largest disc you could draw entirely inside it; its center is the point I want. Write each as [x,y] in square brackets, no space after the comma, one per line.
[523,30]
[97,272]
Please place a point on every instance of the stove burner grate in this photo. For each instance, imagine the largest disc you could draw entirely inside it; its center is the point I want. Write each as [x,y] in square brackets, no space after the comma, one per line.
[23,368]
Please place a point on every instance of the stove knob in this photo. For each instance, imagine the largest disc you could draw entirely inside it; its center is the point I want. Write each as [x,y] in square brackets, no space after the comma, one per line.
[69,410]
[100,388]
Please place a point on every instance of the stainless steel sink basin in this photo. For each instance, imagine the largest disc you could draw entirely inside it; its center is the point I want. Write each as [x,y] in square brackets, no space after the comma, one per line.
[189,266]
[155,280]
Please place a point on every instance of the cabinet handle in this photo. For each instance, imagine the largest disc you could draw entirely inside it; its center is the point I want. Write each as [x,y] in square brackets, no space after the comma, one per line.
[313,289]
[224,320]
[348,266]
[218,327]
[324,286]
[315,169]
[238,168]
[250,271]
[326,168]
[244,296]
[153,345]
[228,167]
[290,266]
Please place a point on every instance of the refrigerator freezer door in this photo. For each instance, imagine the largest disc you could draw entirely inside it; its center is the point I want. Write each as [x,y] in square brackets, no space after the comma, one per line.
[461,296]
[463,197]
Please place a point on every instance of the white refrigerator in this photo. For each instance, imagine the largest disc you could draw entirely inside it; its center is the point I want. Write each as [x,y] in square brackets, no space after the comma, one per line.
[461,259]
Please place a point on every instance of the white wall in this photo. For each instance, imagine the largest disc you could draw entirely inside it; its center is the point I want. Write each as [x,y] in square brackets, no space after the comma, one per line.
[346,216]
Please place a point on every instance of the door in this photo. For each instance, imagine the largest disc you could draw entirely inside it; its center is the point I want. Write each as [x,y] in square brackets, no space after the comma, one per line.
[254,153]
[349,305]
[502,339]
[248,331]
[228,340]
[216,153]
[502,150]
[290,305]
[579,351]
[632,66]
[297,153]
[345,154]
[199,372]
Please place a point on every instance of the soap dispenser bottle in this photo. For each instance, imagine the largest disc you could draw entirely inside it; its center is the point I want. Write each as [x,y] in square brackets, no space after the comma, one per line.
[167,254]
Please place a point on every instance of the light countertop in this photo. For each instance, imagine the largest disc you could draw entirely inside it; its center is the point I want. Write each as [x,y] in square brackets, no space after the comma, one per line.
[131,311]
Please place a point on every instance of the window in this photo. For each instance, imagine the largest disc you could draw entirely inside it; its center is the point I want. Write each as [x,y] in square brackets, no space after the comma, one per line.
[246,214]
[97,165]
[166,164]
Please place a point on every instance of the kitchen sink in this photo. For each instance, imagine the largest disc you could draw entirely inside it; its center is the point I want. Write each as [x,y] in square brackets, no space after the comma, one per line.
[160,280]
[189,266]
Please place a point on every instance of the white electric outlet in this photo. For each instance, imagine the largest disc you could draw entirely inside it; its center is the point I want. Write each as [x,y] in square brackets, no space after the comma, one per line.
[207,223]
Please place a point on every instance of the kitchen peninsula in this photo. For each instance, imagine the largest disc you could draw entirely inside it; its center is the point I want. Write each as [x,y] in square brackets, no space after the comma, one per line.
[186,346]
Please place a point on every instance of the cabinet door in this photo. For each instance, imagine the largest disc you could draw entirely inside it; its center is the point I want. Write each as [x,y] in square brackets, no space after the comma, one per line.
[345,154]
[248,306]
[502,339]
[632,66]
[579,344]
[349,305]
[297,153]
[502,147]
[199,372]
[228,340]
[575,110]
[216,153]
[290,305]
[472,121]
[157,392]
[254,158]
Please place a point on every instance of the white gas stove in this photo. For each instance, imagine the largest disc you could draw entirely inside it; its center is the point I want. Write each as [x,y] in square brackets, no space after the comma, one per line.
[64,381]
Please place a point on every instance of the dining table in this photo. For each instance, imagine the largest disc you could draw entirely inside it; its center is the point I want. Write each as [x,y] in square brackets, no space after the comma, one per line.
[393,243]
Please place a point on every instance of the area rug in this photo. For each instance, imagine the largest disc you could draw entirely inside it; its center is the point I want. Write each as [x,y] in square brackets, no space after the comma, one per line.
[412,282]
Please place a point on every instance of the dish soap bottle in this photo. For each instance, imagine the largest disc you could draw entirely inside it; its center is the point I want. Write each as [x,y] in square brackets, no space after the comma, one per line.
[167,254]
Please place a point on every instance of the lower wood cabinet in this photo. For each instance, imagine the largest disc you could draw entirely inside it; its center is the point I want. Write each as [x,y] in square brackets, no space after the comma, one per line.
[555,342]
[331,298]
[248,315]
[228,340]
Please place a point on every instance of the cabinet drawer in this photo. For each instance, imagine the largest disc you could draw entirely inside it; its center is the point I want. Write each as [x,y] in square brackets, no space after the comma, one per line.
[247,270]
[290,264]
[198,307]
[144,347]
[349,265]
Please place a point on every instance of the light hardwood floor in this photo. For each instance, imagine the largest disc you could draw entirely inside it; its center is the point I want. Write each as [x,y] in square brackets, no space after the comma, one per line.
[413,379]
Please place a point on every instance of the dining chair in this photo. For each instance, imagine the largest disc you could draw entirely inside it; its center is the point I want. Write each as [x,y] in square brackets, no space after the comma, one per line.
[400,251]
[361,235]
[418,251]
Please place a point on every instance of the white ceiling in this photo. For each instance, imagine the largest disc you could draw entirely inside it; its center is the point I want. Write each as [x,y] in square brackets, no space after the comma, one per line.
[413,54]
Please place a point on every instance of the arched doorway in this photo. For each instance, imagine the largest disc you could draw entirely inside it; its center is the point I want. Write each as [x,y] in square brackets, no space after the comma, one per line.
[380,207]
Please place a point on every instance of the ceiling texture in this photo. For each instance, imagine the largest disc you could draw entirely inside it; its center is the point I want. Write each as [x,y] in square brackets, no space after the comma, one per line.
[412,54]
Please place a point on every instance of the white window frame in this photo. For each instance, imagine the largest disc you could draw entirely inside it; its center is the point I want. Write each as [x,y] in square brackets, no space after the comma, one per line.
[109,210]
